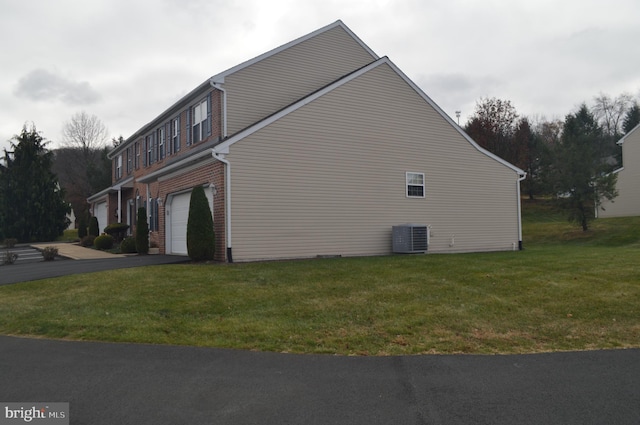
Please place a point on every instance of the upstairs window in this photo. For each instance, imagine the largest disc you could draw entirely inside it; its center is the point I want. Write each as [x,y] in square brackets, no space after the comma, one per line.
[200,120]
[136,150]
[129,160]
[119,167]
[149,153]
[161,143]
[175,135]
[415,185]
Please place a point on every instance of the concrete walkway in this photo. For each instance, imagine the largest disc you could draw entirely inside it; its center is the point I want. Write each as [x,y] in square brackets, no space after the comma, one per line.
[76,252]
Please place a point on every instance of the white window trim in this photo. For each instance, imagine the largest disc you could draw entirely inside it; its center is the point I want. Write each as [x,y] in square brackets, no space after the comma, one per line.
[119,167]
[408,184]
[200,114]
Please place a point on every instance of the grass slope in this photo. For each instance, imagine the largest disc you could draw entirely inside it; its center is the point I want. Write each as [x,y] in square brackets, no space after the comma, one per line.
[568,290]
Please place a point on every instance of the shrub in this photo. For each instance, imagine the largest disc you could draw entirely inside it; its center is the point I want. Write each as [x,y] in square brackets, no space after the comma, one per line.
[82,226]
[103,242]
[142,232]
[200,235]
[128,245]
[10,242]
[87,241]
[10,257]
[93,227]
[49,253]
[117,230]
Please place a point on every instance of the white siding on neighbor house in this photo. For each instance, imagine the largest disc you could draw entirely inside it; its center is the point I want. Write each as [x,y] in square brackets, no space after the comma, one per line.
[329,178]
[627,203]
[257,91]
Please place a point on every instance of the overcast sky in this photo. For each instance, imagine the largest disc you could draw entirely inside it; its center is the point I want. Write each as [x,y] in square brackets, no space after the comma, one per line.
[126,61]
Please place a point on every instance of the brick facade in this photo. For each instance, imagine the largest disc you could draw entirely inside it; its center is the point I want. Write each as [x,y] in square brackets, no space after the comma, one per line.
[137,162]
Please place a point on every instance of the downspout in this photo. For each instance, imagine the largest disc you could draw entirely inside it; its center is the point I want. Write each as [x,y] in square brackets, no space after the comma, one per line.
[119,204]
[217,85]
[148,208]
[520,179]
[227,198]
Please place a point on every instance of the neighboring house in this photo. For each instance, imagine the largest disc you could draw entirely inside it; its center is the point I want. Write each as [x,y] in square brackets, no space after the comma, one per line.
[627,203]
[315,148]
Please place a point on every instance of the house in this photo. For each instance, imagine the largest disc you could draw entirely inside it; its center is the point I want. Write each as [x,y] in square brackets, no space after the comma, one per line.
[316,148]
[627,203]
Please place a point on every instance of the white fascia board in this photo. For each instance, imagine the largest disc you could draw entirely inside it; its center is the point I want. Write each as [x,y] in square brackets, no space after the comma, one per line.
[453,124]
[223,148]
[175,166]
[219,78]
[91,199]
[621,141]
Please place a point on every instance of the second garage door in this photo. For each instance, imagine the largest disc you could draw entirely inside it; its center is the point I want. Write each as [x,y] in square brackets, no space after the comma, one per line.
[178,217]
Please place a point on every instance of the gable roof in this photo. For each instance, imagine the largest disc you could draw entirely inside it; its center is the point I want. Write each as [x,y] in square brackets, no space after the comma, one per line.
[219,78]
[622,140]
[223,147]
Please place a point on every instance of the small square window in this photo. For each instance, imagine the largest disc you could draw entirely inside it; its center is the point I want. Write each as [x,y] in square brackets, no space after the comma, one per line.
[415,185]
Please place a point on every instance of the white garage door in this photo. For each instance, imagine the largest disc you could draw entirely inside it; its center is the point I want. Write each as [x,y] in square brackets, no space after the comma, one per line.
[178,217]
[100,212]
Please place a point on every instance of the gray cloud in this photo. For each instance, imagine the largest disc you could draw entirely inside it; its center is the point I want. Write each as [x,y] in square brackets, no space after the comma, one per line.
[41,84]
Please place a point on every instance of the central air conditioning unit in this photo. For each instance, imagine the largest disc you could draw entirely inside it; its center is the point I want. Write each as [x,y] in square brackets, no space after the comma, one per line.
[410,238]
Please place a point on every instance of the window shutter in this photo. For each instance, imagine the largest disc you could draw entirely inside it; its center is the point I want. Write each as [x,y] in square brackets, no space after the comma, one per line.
[154,147]
[168,138]
[144,152]
[188,127]
[209,120]
[179,132]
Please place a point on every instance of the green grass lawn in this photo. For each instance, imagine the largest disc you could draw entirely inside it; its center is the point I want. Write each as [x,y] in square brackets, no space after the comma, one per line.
[568,290]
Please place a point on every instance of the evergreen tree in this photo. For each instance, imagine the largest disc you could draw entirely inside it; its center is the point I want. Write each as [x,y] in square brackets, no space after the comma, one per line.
[142,232]
[94,226]
[82,226]
[580,175]
[33,206]
[631,119]
[200,235]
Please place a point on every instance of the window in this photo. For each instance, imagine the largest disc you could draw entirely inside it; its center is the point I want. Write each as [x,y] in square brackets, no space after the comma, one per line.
[119,167]
[154,218]
[129,160]
[200,121]
[149,156]
[175,135]
[415,185]
[161,144]
[136,149]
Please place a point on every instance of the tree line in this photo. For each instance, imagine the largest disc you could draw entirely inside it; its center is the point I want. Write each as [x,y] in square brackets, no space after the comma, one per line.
[570,160]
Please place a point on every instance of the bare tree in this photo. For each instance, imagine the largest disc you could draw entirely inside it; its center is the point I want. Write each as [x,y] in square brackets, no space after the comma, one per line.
[610,112]
[84,142]
[85,132]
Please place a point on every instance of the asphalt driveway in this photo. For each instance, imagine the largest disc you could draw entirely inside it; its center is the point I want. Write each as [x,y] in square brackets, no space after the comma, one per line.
[147,384]
[23,272]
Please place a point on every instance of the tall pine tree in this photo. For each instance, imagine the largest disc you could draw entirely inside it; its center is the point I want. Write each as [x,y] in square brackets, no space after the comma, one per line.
[581,175]
[32,206]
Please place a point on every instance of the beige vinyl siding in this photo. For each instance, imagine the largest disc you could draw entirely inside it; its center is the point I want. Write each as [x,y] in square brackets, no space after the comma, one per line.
[269,85]
[329,178]
[628,185]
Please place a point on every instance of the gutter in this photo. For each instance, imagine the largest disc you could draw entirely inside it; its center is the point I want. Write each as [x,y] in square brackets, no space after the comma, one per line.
[220,156]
